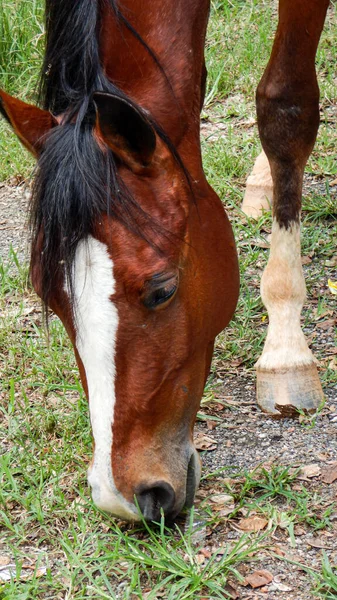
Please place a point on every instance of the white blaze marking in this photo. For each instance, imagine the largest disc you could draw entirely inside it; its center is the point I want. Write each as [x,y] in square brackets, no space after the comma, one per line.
[96,330]
[283,293]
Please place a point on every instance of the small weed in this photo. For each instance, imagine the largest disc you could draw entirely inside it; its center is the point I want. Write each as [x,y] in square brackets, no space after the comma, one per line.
[308,420]
[326,581]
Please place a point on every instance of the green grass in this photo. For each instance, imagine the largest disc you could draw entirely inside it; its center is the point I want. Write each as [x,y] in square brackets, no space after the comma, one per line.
[21,51]
[48,519]
[21,45]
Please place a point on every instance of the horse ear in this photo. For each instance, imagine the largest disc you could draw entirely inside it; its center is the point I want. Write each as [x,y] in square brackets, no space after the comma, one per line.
[125,130]
[31,124]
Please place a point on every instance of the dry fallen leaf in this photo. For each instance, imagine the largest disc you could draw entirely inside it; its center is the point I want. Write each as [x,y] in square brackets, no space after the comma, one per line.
[298,530]
[224,512]
[317,543]
[329,474]
[26,572]
[207,553]
[287,411]
[258,579]
[325,325]
[222,499]
[333,364]
[323,456]
[319,314]
[281,587]
[233,593]
[332,285]
[203,442]
[211,424]
[236,363]
[256,243]
[199,559]
[278,550]
[309,471]
[306,260]
[332,262]
[252,524]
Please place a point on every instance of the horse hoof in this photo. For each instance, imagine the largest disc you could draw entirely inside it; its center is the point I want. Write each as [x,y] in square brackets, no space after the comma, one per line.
[256,201]
[286,392]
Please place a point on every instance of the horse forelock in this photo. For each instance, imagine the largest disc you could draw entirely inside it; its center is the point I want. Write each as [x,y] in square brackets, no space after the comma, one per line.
[77,179]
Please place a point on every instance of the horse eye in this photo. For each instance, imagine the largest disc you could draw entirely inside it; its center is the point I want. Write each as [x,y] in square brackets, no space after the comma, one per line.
[159,290]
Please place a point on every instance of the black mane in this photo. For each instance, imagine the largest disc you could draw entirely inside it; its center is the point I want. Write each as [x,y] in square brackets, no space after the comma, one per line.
[76,181]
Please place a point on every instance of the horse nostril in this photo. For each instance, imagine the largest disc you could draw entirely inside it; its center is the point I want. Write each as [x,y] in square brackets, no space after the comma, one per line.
[152,499]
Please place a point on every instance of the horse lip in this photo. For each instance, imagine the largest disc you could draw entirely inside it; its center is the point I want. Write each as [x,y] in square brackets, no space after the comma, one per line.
[192,479]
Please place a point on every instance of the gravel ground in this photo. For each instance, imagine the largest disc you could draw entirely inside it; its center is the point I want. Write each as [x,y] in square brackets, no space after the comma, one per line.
[13,221]
[249,437]
[244,438]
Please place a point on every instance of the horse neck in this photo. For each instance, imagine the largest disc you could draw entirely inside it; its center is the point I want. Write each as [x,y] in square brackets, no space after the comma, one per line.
[175,32]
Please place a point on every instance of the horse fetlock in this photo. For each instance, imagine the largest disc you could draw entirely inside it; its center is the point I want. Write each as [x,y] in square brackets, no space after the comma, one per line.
[282,287]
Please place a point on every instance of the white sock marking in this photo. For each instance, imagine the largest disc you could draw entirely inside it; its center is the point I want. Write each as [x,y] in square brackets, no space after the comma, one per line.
[96,331]
[283,293]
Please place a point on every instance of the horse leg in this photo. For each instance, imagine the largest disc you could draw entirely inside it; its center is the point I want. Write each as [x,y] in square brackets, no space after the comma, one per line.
[259,189]
[288,119]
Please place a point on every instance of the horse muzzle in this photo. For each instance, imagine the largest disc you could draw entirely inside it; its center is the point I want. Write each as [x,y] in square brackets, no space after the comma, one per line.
[151,498]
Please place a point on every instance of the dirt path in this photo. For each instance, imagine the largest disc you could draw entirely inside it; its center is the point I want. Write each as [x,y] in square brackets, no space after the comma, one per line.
[235,434]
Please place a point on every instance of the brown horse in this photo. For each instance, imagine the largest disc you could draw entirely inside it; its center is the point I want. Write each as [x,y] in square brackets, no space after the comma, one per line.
[132,248]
